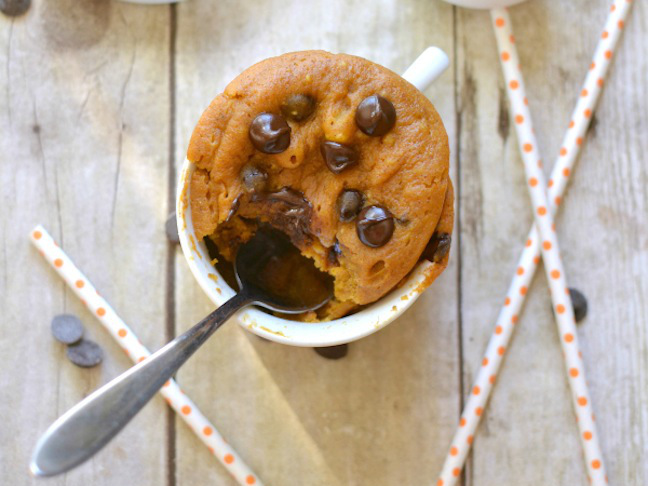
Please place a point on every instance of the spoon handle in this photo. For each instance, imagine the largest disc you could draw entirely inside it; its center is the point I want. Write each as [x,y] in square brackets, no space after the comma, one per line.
[88,426]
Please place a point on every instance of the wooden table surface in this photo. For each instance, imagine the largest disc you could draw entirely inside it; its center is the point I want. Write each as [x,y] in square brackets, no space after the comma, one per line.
[97,102]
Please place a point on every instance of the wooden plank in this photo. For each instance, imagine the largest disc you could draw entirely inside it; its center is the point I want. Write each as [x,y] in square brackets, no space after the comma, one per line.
[71,81]
[379,415]
[84,130]
[529,435]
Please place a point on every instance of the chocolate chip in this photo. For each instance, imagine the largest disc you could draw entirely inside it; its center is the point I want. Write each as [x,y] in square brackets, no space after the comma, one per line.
[349,204]
[67,328]
[293,200]
[333,352]
[337,156]
[375,226]
[254,179]
[171,229]
[85,354]
[375,116]
[270,133]
[334,253]
[14,8]
[235,205]
[298,107]
[580,304]
[437,248]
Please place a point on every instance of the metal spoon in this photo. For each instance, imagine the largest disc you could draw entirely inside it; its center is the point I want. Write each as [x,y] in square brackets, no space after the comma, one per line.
[270,272]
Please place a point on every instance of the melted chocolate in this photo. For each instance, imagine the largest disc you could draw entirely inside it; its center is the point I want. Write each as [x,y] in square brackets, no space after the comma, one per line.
[282,272]
[287,210]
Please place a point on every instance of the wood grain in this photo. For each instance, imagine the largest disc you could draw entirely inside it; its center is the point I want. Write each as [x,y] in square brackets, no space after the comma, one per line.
[529,436]
[97,99]
[83,148]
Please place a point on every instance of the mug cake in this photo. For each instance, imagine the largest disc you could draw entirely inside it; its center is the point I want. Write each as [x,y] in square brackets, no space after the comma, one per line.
[342,155]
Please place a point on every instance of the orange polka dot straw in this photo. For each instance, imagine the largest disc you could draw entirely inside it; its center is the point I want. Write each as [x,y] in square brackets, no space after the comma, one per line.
[578,124]
[129,342]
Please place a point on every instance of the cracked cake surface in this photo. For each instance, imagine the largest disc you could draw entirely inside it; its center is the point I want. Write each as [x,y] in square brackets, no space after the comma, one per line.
[343,155]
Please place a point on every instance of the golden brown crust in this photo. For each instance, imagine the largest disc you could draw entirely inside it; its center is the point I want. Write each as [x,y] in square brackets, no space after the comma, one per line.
[405,170]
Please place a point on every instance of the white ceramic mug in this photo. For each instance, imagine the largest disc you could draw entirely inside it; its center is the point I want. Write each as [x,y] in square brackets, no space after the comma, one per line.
[427,67]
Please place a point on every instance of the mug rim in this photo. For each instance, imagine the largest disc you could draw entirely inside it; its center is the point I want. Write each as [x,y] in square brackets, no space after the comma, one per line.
[343,330]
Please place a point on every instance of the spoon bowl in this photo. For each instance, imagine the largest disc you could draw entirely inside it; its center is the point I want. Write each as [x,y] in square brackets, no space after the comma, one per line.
[278,277]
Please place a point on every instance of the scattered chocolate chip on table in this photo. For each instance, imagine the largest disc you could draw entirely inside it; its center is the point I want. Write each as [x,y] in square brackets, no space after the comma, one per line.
[67,329]
[85,354]
[333,352]
[580,304]
[171,228]
[579,301]
[13,8]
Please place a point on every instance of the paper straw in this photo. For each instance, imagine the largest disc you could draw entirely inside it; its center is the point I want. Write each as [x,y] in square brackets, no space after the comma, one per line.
[549,247]
[134,349]
[530,257]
